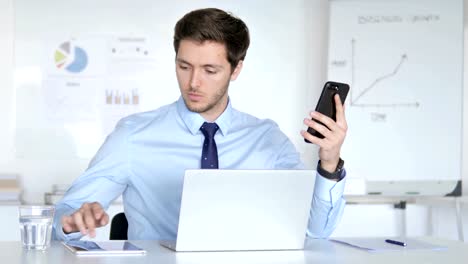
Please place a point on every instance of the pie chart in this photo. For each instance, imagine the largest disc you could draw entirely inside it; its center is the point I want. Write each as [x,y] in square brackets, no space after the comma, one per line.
[71,58]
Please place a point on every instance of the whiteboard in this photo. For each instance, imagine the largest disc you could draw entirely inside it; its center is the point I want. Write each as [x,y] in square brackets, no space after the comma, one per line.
[403,60]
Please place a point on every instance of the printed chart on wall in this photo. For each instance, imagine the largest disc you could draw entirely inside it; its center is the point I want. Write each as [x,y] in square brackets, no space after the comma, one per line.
[403,61]
[88,83]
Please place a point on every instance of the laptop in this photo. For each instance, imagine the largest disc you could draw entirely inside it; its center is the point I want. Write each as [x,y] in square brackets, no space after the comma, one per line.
[227,210]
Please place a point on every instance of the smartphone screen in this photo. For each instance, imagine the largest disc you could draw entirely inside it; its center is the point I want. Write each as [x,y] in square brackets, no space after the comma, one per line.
[326,104]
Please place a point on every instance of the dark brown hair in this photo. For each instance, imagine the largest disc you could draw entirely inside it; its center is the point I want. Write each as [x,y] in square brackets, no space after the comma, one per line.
[215,25]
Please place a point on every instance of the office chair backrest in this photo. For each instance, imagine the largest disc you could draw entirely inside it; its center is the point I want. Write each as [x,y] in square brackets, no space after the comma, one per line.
[119,227]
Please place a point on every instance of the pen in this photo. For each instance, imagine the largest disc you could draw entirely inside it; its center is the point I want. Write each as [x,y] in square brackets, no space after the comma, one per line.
[399,243]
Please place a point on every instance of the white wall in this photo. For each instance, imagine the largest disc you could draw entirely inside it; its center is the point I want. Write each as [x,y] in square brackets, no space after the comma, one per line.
[465,100]
[38,176]
[6,82]
[316,32]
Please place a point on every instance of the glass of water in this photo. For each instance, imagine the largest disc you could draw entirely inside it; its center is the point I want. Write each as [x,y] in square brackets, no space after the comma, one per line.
[36,226]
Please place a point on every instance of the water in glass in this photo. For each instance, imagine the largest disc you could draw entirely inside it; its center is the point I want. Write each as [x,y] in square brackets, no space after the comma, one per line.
[35,231]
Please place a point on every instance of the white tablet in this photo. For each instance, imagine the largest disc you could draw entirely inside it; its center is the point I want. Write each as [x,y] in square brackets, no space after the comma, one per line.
[103,248]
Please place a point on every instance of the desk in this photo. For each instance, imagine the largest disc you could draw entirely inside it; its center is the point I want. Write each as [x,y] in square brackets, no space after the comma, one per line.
[317,251]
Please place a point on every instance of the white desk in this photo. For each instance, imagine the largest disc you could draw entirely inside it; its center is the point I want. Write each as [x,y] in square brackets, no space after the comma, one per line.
[9,223]
[318,251]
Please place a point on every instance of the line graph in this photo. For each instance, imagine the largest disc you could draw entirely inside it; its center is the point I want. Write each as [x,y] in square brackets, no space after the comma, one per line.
[354,99]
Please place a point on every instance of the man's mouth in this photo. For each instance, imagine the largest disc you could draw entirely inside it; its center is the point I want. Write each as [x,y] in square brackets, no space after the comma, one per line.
[195,96]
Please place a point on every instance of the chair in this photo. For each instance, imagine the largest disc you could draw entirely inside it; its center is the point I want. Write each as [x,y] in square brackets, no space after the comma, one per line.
[119,227]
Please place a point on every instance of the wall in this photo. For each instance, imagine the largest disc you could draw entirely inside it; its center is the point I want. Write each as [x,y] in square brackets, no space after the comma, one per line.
[37,177]
[6,82]
[251,85]
[465,99]
[316,32]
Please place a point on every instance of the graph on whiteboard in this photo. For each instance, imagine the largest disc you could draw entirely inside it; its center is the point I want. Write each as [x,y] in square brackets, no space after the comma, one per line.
[357,96]
[403,61]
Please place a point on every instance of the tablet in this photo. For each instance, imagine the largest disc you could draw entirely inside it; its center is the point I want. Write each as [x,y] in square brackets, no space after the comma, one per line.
[103,248]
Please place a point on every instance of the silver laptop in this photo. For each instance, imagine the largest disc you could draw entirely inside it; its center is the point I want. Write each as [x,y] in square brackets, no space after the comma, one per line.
[225,210]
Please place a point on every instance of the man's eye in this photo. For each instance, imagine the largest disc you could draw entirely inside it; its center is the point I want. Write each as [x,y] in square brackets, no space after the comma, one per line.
[183,67]
[211,71]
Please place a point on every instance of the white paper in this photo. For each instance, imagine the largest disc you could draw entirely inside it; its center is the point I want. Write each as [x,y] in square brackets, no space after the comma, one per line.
[379,244]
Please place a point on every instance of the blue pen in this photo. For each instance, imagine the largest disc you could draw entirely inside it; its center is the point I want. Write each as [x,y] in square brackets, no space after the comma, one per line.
[394,242]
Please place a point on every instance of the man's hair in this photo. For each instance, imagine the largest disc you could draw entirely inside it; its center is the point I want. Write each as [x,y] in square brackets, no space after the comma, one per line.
[212,24]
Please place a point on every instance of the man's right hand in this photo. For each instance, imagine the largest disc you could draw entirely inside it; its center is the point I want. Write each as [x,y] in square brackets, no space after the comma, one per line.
[85,220]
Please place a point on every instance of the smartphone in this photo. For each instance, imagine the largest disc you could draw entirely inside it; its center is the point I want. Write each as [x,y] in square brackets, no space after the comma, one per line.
[326,104]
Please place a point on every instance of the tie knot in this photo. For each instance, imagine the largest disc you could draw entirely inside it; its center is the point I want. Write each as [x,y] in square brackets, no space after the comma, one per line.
[209,129]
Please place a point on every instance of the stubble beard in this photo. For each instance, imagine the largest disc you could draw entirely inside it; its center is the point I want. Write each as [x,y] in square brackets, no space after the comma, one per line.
[212,102]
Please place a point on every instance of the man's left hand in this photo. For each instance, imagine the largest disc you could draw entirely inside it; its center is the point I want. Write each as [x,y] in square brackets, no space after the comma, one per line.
[334,134]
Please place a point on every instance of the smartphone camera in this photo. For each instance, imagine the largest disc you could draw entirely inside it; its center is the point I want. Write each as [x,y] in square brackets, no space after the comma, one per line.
[333,90]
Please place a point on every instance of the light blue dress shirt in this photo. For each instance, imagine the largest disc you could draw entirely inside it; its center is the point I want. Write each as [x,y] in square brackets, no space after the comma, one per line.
[145,158]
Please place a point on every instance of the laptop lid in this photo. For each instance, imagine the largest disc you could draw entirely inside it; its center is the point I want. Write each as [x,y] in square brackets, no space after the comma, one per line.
[244,209]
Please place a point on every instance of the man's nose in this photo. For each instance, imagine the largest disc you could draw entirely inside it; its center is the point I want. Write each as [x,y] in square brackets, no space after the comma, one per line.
[195,79]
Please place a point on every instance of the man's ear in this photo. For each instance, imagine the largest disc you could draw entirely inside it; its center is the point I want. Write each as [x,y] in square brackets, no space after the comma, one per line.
[237,70]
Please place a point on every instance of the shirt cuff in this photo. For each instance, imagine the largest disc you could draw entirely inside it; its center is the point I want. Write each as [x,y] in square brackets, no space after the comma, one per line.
[58,233]
[328,190]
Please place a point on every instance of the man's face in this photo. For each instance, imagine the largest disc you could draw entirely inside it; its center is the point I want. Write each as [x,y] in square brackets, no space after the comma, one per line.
[204,73]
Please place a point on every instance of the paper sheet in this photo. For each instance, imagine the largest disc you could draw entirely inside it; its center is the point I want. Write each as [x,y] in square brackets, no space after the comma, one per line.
[379,244]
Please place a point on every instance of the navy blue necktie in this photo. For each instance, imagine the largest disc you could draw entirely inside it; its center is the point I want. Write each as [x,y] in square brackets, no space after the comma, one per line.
[209,159]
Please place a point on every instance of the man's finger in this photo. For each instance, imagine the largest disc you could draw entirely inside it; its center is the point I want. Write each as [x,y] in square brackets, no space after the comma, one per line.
[340,113]
[97,210]
[78,219]
[315,140]
[67,224]
[320,142]
[329,123]
[100,215]
[104,219]
[90,221]
[322,129]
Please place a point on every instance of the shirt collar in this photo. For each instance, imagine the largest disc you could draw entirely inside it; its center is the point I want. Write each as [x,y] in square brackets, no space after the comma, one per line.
[194,121]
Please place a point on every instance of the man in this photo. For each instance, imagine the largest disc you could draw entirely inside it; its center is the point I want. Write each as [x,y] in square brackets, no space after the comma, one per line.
[146,155]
